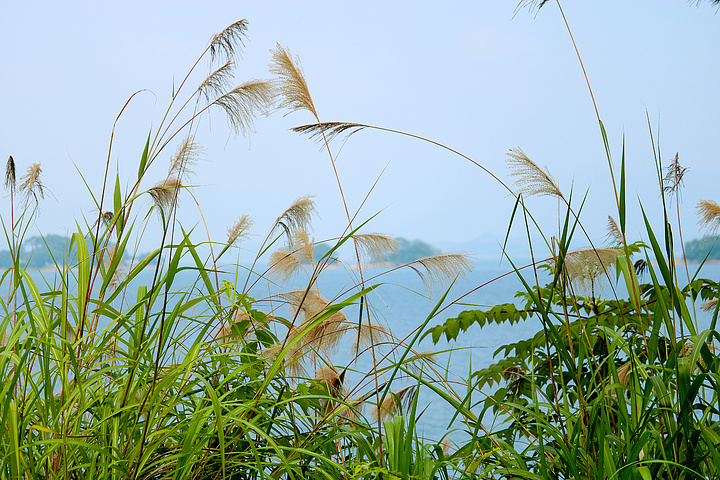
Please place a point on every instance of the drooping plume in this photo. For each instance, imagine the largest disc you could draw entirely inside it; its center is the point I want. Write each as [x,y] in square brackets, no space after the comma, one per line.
[229,40]
[709,213]
[375,246]
[437,270]
[31,183]
[242,102]
[297,217]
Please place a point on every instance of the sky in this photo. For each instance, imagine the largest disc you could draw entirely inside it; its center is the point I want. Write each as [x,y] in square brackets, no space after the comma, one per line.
[478,77]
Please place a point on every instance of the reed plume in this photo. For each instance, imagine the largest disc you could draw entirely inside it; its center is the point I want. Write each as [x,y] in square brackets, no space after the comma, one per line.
[640,266]
[674,176]
[587,268]
[293,361]
[709,213]
[241,103]
[392,403]
[329,130]
[438,269]
[10,174]
[186,155]
[217,82]
[333,380]
[164,193]
[297,217]
[227,41]
[291,84]
[31,183]
[710,305]
[614,236]
[283,264]
[532,180]
[623,372]
[325,335]
[238,231]
[375,246]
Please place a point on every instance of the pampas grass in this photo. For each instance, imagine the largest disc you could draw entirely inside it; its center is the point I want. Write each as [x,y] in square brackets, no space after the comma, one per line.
[375,246]
[614,235]
[238,231]
[297,217]
[241,103]
[164,193]
[228,41]
[531,179]
[187,154]
[31,183]
[393,403]
[709,213]
[439,269]
[291,84]
[588,267]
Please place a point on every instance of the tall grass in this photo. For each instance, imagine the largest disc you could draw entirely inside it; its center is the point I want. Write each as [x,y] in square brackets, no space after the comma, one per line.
[170,365]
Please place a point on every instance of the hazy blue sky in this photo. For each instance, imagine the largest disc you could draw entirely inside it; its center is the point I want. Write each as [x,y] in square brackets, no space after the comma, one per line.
[466,74]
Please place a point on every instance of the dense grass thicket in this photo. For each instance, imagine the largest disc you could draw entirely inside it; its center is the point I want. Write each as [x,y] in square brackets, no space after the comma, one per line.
[106,375]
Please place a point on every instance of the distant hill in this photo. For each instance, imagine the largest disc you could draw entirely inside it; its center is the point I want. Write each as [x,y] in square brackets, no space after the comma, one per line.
[42,252]
[695,250]
[411,250]
[39,252]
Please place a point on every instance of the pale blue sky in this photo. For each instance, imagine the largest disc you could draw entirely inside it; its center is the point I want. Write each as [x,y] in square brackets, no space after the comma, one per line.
[466,74]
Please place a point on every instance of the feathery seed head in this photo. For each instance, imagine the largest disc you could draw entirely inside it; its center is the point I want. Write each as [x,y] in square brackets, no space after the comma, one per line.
[375,246]
[283,264]
[217,82]
[710,305]
[442,268]
[31,184]
[709,213]
[164,193]
[229,39]
[328,130]
[417,363]
[241,103]
[614,235]
[531,179]
[293,361]
[238,231]
[297,217]
[329,376]
[303,245]
[623,374]
[392,403]
[587,268]
[640,266]
[291,83]
[187,154]
[674,176]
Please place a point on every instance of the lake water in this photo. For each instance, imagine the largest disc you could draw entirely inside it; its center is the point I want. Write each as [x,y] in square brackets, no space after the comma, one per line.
[401,304]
